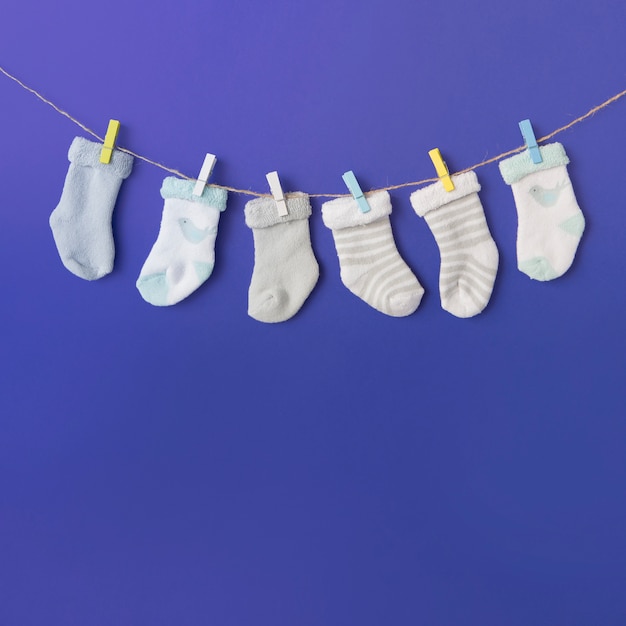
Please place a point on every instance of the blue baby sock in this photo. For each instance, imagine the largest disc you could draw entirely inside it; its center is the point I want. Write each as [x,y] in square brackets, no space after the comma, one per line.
[81,222]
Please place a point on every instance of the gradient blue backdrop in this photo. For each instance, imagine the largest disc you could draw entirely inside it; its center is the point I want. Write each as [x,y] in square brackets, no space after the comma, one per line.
[193,466]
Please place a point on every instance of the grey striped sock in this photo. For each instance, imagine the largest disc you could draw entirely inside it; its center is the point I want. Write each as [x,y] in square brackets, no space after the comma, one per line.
[371,267]
[469,257]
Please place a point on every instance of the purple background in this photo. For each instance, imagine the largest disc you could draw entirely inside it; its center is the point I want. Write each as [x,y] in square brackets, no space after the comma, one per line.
[193,466]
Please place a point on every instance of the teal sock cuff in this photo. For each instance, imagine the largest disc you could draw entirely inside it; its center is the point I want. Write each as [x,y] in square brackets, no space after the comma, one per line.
[183,190]
[87,153]
[517,167]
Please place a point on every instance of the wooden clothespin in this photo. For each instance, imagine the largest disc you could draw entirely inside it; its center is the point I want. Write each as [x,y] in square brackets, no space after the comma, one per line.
[205,173]
[109,141]
[355,189]
[277,192]
[442,169]
[531,142]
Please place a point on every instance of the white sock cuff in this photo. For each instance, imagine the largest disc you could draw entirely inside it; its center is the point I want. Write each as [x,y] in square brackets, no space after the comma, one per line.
[517,167]
[263,212]
[87,153]
[434,196]
[344,212]
[180,189]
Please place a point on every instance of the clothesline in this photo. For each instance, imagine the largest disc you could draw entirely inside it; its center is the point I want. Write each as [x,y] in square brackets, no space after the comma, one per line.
[257,194]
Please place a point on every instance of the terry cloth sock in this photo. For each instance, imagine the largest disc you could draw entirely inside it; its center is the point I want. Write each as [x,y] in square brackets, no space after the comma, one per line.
[549,220]
[81,222]
[371,267]
[469,257]
[285,269]
[183,255]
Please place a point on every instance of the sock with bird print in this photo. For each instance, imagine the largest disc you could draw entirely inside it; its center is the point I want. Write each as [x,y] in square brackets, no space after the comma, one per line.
[183,256]
[550,222]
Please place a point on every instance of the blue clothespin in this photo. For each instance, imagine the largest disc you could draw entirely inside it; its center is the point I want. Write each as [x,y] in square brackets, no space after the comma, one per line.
[531,142]
[351,182]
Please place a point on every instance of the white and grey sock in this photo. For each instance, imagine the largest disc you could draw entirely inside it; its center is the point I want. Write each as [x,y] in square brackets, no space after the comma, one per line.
[469,257]
[371,266]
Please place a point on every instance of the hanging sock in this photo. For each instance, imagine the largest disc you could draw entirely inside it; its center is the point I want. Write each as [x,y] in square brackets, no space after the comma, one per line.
[183,255]
[285,268]
[371,266]
[469,257]
[81,222]
[549,220]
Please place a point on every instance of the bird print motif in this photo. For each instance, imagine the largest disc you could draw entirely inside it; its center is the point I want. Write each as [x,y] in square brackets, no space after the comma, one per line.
[192,233]
[547,197]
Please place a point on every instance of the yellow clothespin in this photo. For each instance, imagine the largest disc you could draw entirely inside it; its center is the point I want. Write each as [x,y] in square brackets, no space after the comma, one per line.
[109,141]
[442,169]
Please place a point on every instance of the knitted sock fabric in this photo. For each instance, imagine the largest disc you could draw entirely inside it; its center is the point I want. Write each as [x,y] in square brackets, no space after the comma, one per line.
[285,269]
[183,255]
[549,220]
[371,267]
[469,257]
[81,222]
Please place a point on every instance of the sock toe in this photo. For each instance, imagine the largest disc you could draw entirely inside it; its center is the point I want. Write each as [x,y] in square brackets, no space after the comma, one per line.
[269,306]
[154,288]
[463,302]
[538,268]
[84,270]
[405,303]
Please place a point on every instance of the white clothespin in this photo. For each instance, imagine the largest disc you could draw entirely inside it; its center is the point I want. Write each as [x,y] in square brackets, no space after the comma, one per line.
[277,192]
[205,173]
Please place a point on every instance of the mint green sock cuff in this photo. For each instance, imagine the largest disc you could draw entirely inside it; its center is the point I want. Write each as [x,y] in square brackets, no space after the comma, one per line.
[517,167]
[183,190]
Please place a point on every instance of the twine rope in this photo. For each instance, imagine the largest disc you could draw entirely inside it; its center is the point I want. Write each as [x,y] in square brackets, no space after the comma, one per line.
[248,192]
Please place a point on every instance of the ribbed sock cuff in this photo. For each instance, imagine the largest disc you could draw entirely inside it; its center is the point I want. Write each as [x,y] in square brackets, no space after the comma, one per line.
[517,167]
[344,212]
[435,195]
[173,187]
[263,212]
[87,153]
